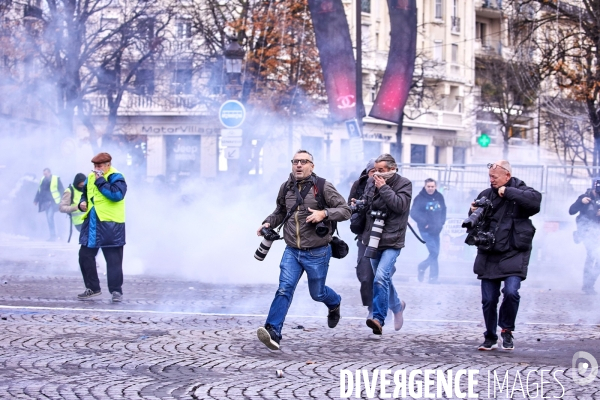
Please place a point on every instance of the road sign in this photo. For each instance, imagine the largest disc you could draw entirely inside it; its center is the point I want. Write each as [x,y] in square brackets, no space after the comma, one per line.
[232,114]
[353,129]
[232,153]
[484,140]
[231,132]
[231,141]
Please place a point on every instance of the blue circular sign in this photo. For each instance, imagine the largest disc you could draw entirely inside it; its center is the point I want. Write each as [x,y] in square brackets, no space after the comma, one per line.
[232,114]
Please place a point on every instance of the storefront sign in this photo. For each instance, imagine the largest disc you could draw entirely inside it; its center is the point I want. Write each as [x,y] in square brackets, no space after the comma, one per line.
[232,114]
[172,130]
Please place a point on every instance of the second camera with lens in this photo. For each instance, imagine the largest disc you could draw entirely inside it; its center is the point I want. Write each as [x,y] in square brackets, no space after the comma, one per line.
[476,235]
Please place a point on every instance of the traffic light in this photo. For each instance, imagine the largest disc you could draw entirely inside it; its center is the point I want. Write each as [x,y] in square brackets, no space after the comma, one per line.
[484,140]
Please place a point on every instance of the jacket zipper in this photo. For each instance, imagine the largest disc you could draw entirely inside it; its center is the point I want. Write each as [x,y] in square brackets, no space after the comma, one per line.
[297,230]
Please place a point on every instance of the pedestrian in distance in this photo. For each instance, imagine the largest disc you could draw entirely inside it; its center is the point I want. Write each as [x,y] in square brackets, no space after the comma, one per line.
[429,212]
[499,225]
[69,203]
[103,204]
[587,206]
[387,200]
[47,199]
[306,207]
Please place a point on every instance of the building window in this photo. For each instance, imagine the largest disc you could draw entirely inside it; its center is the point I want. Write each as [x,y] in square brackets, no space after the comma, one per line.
[144,82]
[438,54]
[436,154]
[146,28]
[455,9]
[418,154]
[365,6]
[438,9]
[182,81]
[184,29]
[481,32]
[455,53]
[459,155]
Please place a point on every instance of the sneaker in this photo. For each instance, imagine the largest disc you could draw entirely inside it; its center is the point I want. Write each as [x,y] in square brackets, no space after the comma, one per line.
[88,294]
[117,297]
[375,325]
[399,318]
[507,340]
[269,337]
[488,344]
[334,316]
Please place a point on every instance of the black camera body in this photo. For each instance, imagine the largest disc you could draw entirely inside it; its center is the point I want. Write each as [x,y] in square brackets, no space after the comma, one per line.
[358,206]
[476,236]
[270,234]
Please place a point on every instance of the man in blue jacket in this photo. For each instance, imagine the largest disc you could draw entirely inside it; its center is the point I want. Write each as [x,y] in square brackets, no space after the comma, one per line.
[103,202]
[429,212]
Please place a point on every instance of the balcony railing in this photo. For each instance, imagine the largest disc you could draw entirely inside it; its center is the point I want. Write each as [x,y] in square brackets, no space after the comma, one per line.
[133,103]
[455,21]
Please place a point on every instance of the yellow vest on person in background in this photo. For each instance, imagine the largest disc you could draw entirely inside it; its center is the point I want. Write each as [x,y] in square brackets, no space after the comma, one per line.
[76,216]
[106,209]
[53,188]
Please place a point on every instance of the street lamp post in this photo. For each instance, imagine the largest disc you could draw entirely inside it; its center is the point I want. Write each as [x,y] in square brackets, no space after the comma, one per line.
[234,56]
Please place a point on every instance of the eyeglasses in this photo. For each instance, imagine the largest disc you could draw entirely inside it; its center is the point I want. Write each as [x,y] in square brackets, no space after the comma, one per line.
[494,166]
[303,162]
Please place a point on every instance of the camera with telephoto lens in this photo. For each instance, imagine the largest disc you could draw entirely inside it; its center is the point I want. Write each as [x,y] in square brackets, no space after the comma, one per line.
[321,229]
[269,236]
[474,224]
[358,206]
[376,232]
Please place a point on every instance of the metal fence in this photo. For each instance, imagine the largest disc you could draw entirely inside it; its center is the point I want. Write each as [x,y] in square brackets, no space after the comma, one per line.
[462,182]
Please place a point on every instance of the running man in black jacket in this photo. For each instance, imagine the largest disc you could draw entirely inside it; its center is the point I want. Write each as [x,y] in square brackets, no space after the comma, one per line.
[429,212]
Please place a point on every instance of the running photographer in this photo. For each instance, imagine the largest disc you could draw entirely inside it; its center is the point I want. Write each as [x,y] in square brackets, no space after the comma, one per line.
[588,232]
[500,227]
[306,208]
[387,201]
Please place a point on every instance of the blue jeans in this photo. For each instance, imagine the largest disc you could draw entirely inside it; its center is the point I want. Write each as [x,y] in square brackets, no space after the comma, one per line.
[50,218]
[293,264]
[490,294]
[384,292]
[432,242]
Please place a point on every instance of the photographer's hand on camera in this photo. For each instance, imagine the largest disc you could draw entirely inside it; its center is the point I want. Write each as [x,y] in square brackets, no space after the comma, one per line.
[316,216]
[265,225]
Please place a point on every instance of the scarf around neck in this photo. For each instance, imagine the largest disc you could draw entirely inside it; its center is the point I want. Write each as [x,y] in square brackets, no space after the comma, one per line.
[386,175]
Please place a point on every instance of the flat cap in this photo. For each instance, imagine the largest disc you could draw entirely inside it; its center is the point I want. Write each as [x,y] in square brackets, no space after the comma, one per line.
[101,158]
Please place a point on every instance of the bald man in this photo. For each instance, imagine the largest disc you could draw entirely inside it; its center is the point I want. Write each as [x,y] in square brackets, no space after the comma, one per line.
[513,203]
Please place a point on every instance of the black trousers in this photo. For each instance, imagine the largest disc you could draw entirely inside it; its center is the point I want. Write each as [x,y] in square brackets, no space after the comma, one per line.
[364,273]
[490,294]
[114,267]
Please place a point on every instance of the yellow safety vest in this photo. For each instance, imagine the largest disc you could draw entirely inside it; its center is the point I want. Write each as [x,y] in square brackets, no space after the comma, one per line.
[107,210]
[76,216]
[53,188]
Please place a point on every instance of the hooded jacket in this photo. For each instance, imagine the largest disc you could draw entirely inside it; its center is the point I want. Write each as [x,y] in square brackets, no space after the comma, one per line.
[429,210]
[297,232]
[511,225]
[393,197]
[358,187]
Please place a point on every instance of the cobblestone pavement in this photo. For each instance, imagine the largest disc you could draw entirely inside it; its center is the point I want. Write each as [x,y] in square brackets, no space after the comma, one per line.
[174,339]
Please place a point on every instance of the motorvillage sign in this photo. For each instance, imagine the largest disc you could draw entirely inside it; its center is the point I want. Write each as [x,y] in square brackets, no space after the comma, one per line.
[174,130]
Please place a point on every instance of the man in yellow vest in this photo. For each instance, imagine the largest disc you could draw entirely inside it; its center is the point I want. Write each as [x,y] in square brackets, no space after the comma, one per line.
[69,204]
[103,204]
[48,197]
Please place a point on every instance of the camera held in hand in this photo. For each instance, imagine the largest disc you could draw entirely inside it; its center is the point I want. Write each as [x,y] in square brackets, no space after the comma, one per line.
[376,232]
[476,216]
[474,224]
[358,206]
[269,236]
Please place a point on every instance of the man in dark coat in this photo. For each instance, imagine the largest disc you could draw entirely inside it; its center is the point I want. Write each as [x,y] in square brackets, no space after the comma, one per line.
[389,193]
[429,212]
[588,232]
[507,259]
[47,199]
